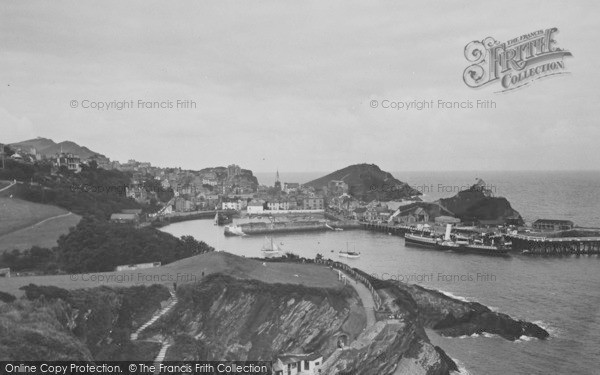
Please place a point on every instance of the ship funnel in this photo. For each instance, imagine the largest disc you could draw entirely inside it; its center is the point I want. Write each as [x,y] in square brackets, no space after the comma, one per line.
[448,230]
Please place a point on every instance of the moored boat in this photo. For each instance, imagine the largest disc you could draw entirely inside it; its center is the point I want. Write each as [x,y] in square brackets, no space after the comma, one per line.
[270,247]
[418,240]
[348,253]
[233,230]
[483,249]
[448,245]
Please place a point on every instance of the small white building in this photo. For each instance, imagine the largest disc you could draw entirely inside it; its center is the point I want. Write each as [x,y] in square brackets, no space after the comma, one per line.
[298,364]
[139,266]
[278,205]
[236,205]
[255,207]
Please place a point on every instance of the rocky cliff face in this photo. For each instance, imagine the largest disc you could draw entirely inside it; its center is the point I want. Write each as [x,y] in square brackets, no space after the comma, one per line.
[231,319]
[477,204]
[449,316]
[226,318]
[86,324]
[241,320]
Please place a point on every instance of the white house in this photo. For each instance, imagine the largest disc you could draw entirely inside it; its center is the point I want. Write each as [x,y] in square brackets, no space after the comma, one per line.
[255,207]
[231,205]
[278,205]
[298,364]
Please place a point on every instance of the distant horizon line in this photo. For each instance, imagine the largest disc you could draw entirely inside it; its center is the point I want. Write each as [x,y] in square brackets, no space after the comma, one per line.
[448,170]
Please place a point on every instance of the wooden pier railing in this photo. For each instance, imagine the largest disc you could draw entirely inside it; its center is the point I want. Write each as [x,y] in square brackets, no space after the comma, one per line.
[555,245]
[346,268]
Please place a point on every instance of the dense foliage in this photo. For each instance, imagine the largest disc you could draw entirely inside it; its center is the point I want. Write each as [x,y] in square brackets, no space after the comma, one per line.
[100,245]
[92,192]
[95,244]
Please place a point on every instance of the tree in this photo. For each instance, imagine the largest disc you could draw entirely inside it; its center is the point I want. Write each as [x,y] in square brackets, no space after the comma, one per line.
[8,152]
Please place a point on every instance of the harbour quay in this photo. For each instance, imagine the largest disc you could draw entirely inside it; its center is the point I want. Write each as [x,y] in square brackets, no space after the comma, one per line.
[554,245]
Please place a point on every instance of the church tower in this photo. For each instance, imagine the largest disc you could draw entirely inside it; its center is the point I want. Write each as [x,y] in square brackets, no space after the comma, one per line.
[277,182]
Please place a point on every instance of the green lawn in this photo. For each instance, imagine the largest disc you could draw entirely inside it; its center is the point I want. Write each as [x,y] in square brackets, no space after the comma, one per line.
[17,214]
[43,234]
[25,224]
[189,270]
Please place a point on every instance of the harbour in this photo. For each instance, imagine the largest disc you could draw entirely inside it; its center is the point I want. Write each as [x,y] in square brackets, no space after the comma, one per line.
[557,292]
[519,243]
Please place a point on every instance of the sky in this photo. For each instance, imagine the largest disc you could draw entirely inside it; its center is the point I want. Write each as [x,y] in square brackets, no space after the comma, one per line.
[289,85]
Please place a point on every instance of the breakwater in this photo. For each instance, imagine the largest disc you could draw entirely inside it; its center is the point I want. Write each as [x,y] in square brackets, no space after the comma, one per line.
[295,226]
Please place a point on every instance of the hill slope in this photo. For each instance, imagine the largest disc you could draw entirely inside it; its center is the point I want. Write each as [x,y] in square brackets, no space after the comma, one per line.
[367,182]
[49,148]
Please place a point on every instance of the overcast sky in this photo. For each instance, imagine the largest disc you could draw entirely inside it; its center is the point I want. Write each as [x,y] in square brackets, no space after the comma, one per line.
[288,84]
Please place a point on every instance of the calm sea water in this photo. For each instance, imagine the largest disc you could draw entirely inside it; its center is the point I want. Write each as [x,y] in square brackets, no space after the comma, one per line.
[562,295]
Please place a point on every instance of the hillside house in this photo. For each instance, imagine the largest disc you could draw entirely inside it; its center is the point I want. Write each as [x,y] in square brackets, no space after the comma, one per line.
[298,364]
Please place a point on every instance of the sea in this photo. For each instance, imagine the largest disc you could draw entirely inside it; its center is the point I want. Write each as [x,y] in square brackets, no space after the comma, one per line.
[560,294]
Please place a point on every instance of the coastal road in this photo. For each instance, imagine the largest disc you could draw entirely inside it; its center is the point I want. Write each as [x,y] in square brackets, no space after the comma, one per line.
[366,298]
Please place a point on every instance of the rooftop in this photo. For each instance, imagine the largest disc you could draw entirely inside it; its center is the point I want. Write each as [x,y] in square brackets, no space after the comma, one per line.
[553,221]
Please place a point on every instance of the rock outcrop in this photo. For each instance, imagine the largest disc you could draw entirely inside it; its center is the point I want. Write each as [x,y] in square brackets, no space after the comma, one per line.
[478,205]
[225,318]
[367,182]
[231,319]
[84,324]
[451,317]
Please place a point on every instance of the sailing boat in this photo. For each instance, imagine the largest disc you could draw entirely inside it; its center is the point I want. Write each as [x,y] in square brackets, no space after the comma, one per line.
[270,247]
[349,254]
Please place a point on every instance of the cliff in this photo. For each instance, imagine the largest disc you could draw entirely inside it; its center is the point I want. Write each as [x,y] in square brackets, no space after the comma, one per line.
[451,317]
[477,204]
[367,182]
[226,318]
[232,319]
[85,324]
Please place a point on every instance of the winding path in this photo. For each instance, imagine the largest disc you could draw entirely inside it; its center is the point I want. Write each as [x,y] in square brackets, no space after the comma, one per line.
[50,218]
[366,297]
[8,187]
[165,344]
[372,329]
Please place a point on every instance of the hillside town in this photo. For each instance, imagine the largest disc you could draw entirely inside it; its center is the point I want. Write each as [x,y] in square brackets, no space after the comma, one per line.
[234,189]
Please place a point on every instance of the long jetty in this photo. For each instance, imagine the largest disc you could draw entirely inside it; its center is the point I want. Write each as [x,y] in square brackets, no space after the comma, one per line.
[555,245]
[392,229]
[299,226]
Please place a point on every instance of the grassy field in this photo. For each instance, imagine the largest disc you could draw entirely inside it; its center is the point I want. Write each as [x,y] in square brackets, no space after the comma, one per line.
[42,234]
[17,214]
[188,270]
[25,224]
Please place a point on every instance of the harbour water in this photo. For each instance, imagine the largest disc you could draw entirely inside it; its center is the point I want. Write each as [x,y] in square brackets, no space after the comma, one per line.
[560,294]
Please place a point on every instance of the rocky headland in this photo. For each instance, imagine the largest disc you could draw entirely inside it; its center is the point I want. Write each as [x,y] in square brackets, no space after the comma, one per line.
[222,317]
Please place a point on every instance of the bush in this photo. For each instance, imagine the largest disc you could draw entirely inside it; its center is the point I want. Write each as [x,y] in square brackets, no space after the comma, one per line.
[7,297]
[33,292]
